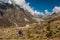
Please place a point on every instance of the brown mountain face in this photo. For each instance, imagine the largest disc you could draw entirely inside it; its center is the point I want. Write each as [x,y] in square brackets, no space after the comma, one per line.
[53,17]
[13,15]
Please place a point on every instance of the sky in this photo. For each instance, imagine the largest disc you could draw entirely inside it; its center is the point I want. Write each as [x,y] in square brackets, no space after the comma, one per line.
[42,7]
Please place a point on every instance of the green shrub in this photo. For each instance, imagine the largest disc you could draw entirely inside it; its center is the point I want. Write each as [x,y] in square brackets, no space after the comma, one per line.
[49,34]
[37,25]
[59,28]
[48,28]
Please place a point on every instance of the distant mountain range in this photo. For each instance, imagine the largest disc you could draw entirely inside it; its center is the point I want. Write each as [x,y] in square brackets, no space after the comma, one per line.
[54,16]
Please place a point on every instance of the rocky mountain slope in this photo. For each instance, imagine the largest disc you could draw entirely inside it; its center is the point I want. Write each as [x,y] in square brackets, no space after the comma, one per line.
[13,15]
[46,30]
[54,16]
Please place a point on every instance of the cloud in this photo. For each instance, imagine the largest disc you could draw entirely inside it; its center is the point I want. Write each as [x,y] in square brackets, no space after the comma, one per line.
[46,12]
[56,9]
[38,13]
[3,0]
[7,1]
[23,4]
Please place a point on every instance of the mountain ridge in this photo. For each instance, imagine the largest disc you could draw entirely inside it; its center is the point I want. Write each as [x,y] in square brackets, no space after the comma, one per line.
[13,14]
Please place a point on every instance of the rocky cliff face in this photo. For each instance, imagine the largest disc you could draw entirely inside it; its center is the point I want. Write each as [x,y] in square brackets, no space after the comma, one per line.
[13,15]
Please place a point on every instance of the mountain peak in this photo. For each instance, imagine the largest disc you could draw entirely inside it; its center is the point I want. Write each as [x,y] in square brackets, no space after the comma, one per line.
[12,15]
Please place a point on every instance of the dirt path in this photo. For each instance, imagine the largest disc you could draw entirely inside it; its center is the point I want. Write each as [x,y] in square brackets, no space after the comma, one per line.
[27,26]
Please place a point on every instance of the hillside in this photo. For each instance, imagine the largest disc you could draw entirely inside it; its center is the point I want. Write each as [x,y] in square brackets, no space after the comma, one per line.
[46,30]
[13,15]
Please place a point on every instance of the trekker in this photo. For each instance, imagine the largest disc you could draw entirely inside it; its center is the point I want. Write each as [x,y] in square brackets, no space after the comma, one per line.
[21,32]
